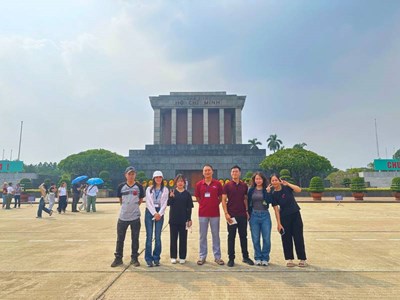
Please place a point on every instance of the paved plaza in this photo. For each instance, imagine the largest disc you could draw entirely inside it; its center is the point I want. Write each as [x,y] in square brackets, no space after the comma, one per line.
[353,253]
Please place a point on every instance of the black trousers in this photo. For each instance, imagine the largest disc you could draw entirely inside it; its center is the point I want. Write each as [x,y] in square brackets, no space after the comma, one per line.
[178,230]
[293,225]
[241,226]
[75,200]
[122,227]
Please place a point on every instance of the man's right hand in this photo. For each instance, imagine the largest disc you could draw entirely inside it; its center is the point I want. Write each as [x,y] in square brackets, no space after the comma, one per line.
[228,218]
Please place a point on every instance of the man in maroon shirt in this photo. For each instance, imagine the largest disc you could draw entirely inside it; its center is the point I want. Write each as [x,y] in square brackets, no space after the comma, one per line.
[234,203]
[208,194]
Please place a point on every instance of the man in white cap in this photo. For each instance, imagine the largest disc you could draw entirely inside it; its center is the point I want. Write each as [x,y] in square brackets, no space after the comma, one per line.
[130,194]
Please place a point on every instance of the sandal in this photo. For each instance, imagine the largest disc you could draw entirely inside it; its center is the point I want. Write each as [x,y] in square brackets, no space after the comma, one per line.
[290,264]
[303,264]
[201,262]
[219,261]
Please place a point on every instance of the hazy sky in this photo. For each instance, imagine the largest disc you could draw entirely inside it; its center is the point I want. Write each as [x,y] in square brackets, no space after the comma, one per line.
[80,73]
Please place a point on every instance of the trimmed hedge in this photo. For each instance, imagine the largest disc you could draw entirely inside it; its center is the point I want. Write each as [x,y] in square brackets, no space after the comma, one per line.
[395,187]
[358,185]
[316,185]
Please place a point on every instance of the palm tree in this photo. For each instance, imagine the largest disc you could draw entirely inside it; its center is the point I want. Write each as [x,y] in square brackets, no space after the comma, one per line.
[299,146]
[254,143]
[274,143]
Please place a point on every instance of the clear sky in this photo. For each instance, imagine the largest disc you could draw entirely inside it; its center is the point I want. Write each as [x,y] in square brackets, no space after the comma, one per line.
[80,73]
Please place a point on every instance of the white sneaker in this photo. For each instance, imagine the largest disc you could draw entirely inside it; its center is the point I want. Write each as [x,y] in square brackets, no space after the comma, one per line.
[173,260]
[264,263]
[182,261]
[258,263]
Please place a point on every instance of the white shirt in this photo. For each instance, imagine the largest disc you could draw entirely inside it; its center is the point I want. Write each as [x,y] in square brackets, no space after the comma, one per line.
[10,190]
[92,190]
[62,191]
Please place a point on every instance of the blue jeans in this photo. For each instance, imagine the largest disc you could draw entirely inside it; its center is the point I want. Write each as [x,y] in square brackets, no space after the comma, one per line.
[42,206]
[149,224]
[260,225]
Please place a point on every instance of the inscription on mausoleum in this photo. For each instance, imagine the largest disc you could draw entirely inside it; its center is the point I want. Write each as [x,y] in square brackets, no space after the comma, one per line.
[197,102]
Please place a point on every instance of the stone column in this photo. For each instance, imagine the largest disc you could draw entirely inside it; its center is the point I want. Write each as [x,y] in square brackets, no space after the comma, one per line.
[205,126]
[173,126]
[221,126]
[190,126]
[157,126]
[238,125]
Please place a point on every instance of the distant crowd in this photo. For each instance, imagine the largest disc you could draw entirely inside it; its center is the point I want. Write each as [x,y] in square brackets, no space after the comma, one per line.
[50,193]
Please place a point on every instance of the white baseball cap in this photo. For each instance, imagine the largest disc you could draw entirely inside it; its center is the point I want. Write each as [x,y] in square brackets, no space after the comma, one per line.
[157,174]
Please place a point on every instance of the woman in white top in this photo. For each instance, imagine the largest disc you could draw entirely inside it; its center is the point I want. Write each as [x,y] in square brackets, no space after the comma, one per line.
[156,203]
[62,198]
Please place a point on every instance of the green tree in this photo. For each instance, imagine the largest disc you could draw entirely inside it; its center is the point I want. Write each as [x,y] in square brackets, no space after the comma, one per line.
[141,176]
[302,163]
[273,143]
[67,178]
[48,170]
[254,143]
[396,155]
[105,175]
[92,162]
[336,178]
[26,183]
[284,174]
[299,146]
[346,182]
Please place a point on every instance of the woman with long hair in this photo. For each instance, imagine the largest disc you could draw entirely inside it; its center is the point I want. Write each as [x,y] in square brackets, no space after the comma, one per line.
[291,220]
[180,219]
[156,203]
[260,219]
[42,203]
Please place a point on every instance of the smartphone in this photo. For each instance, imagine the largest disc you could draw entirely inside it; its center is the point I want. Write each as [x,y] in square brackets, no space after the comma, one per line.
[282,231]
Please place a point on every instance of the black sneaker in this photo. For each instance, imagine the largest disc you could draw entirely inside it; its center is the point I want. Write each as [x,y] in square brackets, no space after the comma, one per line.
[117,262]
[135,262]
[157,263]
[50,213]
[248,261]
[230,263]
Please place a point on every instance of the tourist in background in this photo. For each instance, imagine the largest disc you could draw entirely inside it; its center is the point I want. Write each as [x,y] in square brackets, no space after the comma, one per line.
[156,203]
[52,195]
[4,194]
[76,193]
[10,195]
[17,196]
[62,198]
[84,197]
[42,202]
[91,193]
[290,218]
[180,219]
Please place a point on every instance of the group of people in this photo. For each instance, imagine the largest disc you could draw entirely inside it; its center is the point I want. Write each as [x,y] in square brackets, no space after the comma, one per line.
[87,192]
[241,205]
[9,192]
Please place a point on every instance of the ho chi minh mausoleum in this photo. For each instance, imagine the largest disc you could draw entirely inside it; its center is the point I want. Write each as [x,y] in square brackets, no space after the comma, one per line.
[192,129]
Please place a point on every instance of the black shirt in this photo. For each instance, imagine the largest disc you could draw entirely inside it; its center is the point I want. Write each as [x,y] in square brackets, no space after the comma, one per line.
[180,207]
[75,189]
[285,199]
